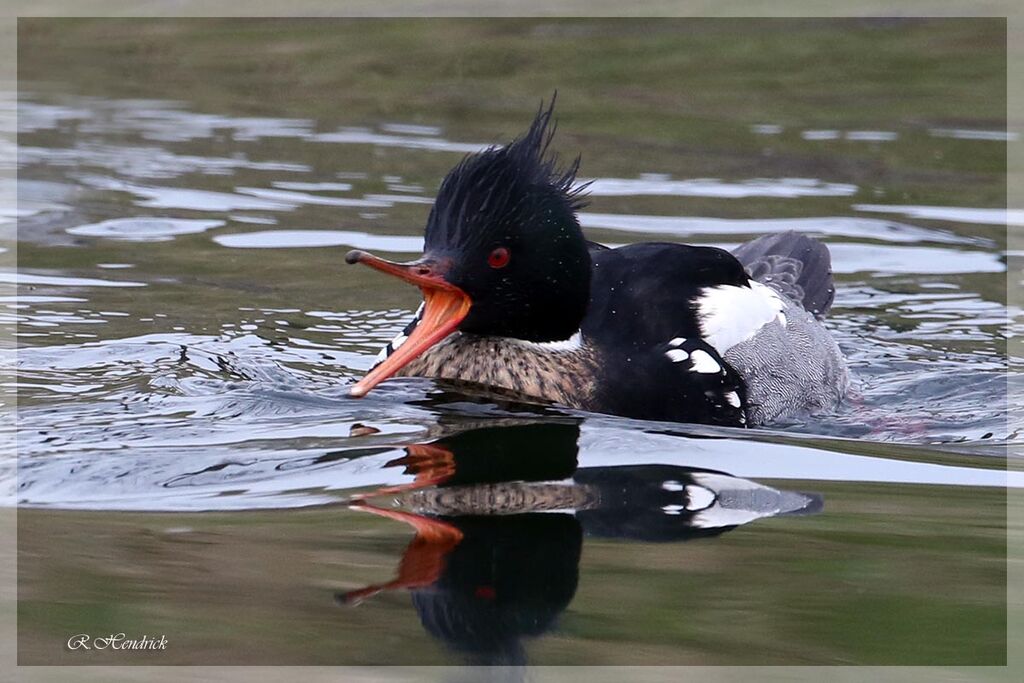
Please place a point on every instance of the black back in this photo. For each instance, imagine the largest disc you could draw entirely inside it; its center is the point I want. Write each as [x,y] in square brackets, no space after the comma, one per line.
[644,294]
[643,297]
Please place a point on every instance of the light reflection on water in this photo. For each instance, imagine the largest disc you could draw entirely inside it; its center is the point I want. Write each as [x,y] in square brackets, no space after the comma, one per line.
[789,188]
[199,358]
[953,214]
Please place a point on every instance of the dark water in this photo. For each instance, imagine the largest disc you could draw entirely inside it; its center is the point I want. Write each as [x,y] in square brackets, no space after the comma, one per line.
[189,464]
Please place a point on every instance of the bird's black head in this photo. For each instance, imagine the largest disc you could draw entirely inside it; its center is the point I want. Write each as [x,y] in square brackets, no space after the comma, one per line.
[504,254]
[506,218]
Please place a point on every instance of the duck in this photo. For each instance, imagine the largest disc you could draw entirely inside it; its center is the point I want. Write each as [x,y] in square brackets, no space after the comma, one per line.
[518,301]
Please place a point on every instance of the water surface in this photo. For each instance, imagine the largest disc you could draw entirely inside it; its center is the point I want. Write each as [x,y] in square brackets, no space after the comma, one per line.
[189,462]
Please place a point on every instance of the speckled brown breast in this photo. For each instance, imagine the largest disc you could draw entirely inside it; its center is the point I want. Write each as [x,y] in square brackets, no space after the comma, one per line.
[565,376]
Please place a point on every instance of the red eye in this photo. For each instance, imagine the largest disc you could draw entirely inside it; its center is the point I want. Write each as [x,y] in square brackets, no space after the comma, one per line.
[498,258]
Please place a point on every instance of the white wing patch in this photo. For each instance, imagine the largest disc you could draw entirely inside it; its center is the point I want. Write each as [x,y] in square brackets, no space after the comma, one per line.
[704,363]
[677,355]
[699,497]
[730,314]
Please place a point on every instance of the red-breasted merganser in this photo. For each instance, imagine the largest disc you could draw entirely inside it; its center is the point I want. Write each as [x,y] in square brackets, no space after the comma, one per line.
[515,298]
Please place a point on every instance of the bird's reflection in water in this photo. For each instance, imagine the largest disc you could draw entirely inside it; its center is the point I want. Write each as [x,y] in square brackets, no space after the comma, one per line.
[500,514]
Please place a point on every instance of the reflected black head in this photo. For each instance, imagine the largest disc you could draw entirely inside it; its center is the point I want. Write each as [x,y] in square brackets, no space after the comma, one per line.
[515,200]
[509,578]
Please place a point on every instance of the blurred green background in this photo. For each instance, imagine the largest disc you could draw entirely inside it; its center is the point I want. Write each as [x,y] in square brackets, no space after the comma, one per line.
[682,90]
[888,575]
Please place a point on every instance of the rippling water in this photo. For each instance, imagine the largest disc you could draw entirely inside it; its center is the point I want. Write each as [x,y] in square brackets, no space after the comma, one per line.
[155,277]
[186,330]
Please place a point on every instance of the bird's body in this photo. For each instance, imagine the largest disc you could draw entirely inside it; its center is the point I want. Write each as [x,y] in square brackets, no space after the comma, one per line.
[516,300]
[668,346]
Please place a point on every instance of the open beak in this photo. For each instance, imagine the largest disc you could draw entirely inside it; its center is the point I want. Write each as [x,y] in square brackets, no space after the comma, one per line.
[445,307]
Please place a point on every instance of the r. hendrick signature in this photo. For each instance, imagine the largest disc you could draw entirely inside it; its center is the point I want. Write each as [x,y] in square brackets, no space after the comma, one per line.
[116,641]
